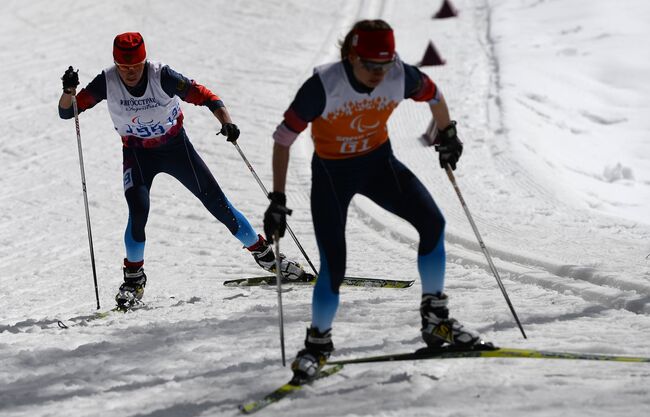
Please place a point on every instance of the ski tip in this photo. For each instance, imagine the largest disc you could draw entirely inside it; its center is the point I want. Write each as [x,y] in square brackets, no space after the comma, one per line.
[290,387]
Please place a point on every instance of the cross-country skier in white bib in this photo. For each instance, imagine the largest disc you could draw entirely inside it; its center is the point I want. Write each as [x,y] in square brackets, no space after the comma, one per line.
[143,99]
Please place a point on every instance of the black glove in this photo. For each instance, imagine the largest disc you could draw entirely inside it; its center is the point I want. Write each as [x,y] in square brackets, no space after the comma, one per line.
[449,146]
[230,131]
[275,217]
[70,80]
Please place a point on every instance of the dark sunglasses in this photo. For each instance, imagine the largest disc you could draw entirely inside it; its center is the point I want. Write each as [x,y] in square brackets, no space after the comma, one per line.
[377,66]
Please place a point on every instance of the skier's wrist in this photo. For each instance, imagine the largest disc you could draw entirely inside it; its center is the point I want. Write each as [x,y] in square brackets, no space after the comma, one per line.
[278,197]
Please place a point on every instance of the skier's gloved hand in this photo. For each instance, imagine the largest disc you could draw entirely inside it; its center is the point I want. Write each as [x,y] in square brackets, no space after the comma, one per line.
[70,80]
[275,217]
[230,131]
[448,146]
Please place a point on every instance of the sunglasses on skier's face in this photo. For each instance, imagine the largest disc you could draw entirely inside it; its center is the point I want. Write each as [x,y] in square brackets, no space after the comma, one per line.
[128,67]
[375,66]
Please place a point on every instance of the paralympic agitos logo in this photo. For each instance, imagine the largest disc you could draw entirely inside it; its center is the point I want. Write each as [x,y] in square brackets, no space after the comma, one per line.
[138,121]
[358,124]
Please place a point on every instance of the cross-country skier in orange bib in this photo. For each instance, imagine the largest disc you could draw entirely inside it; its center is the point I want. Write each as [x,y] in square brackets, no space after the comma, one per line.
[348,104]
[144,104]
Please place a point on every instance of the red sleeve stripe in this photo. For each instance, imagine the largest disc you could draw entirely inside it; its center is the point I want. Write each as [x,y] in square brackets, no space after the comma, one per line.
[294,122]
[85,100]
[199,95]
[427,91]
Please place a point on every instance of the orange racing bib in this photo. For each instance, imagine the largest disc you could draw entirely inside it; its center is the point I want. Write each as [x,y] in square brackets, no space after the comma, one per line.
[354,123]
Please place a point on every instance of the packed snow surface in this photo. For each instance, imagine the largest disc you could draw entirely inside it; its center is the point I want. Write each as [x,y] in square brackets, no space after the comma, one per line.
[552,100]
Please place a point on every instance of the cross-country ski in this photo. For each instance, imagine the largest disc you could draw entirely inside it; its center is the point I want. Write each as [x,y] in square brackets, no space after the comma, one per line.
[492,352]
[311,279]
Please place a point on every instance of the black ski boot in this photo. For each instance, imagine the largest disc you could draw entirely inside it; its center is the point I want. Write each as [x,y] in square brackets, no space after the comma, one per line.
[263,254]
[438,329]
[310,360]
[132,289]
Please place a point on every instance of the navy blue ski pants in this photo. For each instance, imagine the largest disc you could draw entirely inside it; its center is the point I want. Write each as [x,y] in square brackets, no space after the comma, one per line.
[178,159]
[389,183]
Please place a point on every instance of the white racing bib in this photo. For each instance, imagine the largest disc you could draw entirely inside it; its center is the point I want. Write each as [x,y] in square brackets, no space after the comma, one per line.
[147,117]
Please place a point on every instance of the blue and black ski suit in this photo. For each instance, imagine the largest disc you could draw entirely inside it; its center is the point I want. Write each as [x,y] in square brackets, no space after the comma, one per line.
[353,155]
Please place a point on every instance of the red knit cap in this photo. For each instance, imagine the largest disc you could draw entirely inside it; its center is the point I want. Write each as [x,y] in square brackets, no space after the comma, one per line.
[128,48]
[374,44]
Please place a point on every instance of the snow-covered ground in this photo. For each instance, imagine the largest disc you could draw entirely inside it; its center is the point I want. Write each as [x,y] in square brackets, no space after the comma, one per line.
[550,97]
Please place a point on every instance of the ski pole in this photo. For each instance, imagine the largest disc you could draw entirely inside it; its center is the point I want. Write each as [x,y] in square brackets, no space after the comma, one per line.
[493,268]
[257,178]
[278,277]
[83,187]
